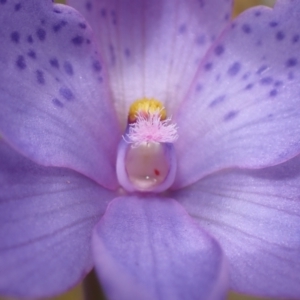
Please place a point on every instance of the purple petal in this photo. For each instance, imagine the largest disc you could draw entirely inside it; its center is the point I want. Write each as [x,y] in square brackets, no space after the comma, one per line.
[149,248]
[54,104]
[153,48]
[255,215]
[242,109]
[46,221]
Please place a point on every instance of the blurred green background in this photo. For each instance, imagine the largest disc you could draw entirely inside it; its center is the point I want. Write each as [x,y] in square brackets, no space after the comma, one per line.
[76,293]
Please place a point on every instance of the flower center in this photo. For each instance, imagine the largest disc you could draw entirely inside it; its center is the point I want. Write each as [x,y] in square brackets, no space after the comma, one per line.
[146,159]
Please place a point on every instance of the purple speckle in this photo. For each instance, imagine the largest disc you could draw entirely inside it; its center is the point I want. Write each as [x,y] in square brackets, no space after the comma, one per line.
[77,40]
[113,17]
[88,6]
[199,87]
[273,93]
[15,37]
[30,39]
[182,29]
[234,69]
[57,27]
[262,69]
[112,54]
[246,28]
[226,17]
[273,24]
[20,63]
[249,86]
[127,52]
[41,34]
[201,39]
[18,6]
[88,41]
[278,83]
[219,50]
[2,1]
[230,115]
[97,66]
[31,54]
[66,93]
[217,101]
[266,80]
[295,39]
[103,12]
[57,11]
[291,76]
[291,62]
[82,25]
[208,66]
[68,68]
[40,77]
[257,14]
[54,63]
[280,35]
[57,103]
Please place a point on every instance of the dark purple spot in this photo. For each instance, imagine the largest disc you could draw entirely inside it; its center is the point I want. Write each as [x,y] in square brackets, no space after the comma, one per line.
[41,34]
[202,3]
[291,76]
[21,64]
[82,25]
[30,39]
[88,6]
[68,68]
[57,27]
[40,77]
[112,54]
[219,50]
[249,86]
[113,17]
[54,63]
[231,115]
[201,39]
[280,35]
[77,40]
[246,76]
[2,1]
[291,62]
[226,17]
[273,24]
[246,28]
[257,14]
[262,69]
[182,29]
[127,52]
[273,93]
[266,80]
[259,43]
[234,69]
[57,11]
[43,22]
[97,66]
[88,41]
[217,101]
[199,87]
[295,38]
[208,66]
[18,6]
[15,37]
[31,54]
[278,83]
[103,12]
[66,93]
[57,103]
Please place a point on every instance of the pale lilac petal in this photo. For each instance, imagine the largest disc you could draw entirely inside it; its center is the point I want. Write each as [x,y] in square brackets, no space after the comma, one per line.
[46,220]
[149,248]
[243,108]
[54,103]
[153,47]
[255,216]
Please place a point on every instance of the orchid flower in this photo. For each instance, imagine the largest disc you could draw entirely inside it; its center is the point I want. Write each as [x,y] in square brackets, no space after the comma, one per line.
[86,116]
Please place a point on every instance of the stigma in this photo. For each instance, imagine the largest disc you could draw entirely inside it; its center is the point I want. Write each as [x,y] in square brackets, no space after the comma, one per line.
[146,160]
